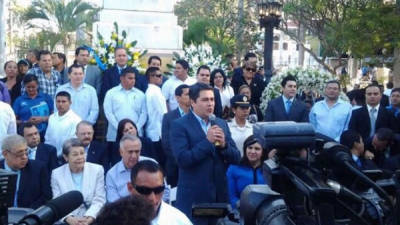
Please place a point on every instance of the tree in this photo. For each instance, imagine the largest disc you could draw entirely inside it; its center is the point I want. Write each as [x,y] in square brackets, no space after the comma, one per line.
[60,18]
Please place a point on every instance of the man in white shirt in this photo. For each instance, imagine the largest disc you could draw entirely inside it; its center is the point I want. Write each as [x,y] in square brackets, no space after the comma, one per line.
[8,124]
[147,180]
[62,124]
[156,108]
[125,102]
[83,96]
[180,77]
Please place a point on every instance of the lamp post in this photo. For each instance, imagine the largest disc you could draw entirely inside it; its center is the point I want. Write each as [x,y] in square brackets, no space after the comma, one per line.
[270,13]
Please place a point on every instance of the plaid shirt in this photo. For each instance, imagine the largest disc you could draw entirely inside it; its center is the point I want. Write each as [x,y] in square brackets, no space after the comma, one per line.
[48,86]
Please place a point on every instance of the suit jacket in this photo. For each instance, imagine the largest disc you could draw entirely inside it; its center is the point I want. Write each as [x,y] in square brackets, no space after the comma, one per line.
[276,111]
[34,185]
[93,191]
[97,153]
[202,165]
[93,77]
[111,79]
[171,166]
[360,121]
[48,155]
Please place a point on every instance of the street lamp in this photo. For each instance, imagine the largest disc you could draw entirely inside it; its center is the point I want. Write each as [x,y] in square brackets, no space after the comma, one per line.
[270,13]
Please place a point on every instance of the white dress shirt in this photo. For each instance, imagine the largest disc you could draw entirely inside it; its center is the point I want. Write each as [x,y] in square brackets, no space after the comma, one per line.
[120,104]
[226,95]
[8,122]
[156,108]
[168,90]
[239,134]
[61,128]
[170,215]
[84,101]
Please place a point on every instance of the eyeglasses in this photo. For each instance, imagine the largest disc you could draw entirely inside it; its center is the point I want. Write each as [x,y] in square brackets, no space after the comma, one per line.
[146,190]
[251,69]
[18,155]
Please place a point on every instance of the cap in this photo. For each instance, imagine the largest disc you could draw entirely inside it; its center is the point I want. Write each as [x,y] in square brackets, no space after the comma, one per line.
[240,100]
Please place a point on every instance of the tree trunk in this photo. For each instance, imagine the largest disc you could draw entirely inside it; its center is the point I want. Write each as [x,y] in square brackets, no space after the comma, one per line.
[396,68]
[301,48]
[239,33]
[2,35]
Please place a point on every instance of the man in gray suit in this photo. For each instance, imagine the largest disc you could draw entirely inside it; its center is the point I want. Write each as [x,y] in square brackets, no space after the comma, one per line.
[93,75]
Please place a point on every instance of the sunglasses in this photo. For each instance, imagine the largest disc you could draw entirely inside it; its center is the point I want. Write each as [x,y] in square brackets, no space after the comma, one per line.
[251,69]
[146,190]
[157,75]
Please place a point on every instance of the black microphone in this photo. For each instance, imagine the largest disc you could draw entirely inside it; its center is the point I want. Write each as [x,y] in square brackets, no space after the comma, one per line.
[212,119]
[54,210]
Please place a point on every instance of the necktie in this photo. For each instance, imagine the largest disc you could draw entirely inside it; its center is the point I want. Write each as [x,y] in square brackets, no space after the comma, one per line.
[288,105]
[372,119]
[119,71]
[30,154]
[358,162]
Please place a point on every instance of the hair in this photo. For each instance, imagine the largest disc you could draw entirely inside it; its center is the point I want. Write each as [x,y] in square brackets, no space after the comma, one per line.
[79,49]
[61,56]
[145,165]
[332,82]
[130,210]
[373,85]
[252,139]
[195,89]
[349,137]
[128,70]
[69,143]
[214,73]
[43,52]
[154,57]
[249,55]
[35,52]
[179,89]
[118,48]
[12,141]
[26,125]
[23,62]
[359,97]
[83,123]
[384,134]
[64,94]
[29,78]
[121,126]
[286,79]
[395,90]
[204,67]
[243,87]
[8,62]
[76,66]
[151,71]
[389,85]
[129,137]
[183,63]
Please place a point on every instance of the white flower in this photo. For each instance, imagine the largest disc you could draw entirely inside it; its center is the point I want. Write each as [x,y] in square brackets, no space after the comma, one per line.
[102,51]
[111,61]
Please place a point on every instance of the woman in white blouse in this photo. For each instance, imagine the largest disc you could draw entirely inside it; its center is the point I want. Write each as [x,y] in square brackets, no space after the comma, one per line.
[77,174]
[218,80]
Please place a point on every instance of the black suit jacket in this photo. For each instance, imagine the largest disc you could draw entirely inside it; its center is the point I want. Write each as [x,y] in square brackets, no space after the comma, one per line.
[360,121]
[171,166]
[218,103]
[97,153]
[276,111]
[111,79]
[34,185]
[48,155]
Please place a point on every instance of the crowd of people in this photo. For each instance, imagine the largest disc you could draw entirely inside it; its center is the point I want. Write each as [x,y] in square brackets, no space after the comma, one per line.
[194,134]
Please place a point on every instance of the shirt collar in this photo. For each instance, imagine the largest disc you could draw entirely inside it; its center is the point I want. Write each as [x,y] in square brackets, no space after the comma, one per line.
[6,167]
[370,107]
[355,158]
[181,112]
[121,168]
[246,125]
[285,99]
[200,119]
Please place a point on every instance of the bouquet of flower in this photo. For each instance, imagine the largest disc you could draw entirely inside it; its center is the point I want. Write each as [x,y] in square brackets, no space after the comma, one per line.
[103,54]
[197,56]
[307,80]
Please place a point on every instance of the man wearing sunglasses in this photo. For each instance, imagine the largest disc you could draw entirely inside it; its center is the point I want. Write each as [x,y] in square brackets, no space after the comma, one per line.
[156,108]
[147,180]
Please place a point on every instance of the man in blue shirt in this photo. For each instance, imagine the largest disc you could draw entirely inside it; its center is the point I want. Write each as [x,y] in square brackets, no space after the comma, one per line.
[394,106]
[331,116]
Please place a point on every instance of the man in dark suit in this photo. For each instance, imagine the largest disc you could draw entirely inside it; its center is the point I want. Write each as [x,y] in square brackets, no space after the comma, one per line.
[182,97]
[203,149]
[203,76]
[33,183]
[93,75]
[369,118]
[111,77]
[287,107]
[95,151]
[45,153]
[379,147]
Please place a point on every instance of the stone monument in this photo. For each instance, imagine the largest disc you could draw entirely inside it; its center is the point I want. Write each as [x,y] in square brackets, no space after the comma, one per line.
[151,23]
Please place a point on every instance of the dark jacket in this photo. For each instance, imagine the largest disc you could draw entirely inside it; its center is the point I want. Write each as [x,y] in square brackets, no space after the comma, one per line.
[276,111]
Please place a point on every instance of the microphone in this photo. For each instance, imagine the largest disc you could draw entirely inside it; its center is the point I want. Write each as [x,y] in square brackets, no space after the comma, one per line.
[343,191]
[253,118]
[212,119]
[54,210]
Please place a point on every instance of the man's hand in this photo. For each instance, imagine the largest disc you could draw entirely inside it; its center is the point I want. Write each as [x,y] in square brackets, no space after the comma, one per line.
[216,135]
[369,155]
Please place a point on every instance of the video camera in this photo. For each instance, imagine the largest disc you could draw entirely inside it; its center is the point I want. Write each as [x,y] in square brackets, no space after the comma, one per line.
[304,183]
